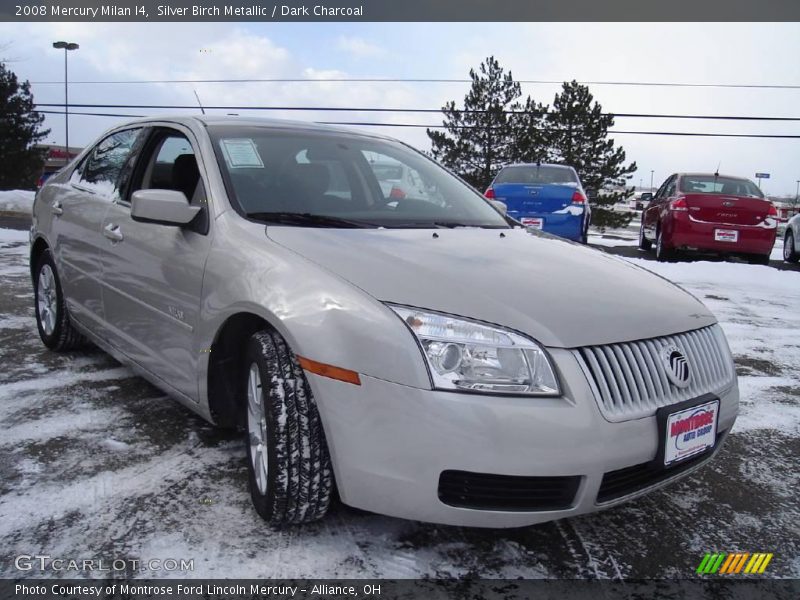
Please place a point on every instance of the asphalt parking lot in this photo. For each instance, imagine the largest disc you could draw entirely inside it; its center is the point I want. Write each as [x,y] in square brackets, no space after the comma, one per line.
[95,462]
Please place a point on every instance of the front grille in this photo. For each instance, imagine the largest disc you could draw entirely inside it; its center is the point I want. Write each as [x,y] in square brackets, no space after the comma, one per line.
[629,380]
[484,491]
[623,482]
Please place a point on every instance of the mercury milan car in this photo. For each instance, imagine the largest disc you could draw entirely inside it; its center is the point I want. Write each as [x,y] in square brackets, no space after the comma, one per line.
[426,359]
[709,213]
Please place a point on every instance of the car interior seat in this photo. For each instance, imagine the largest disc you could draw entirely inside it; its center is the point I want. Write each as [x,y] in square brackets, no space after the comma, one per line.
[308,182]
[185,175]
[730,188]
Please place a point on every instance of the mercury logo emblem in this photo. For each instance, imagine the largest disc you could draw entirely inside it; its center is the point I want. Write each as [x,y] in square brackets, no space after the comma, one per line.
[676,366]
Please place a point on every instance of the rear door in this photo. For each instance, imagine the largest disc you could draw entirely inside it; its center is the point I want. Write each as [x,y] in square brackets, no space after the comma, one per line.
[652,211]
[78,208]
[153,274]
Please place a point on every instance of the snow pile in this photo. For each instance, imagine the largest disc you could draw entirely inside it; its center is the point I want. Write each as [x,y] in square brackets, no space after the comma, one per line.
[17,201]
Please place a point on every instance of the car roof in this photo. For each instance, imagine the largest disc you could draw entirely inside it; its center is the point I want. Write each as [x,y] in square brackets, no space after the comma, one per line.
[238,121]
[554,165]
[697,174]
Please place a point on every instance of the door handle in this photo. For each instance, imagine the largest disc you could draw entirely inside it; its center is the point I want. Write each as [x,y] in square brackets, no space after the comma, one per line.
[112,232]
[56,208]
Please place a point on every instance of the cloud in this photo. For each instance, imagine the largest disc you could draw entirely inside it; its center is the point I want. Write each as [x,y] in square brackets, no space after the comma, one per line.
[359,47]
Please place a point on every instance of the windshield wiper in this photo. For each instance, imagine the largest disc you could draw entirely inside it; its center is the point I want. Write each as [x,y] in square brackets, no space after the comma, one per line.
[308,219]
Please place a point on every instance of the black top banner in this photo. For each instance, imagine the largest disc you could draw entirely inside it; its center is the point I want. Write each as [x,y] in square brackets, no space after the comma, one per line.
[402,10]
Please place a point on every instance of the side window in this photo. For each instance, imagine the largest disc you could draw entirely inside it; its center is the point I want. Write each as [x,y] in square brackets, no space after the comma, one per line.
[670,191]
[100,172]
[168,162]
[172,165]
[661,193]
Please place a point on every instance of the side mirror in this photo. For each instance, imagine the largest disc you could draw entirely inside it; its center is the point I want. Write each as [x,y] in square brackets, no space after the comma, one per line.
[646,197]
[501,206]
[163,207]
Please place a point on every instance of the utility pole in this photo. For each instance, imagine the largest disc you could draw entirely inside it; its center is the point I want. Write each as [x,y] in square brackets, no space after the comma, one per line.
[66,46]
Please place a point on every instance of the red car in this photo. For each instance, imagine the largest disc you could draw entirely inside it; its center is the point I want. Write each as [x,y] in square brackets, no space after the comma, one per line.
[709,214]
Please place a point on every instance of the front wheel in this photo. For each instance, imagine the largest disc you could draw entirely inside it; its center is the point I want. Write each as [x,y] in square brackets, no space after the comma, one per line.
[287,456]
[790,254]
[52,319]
[644,243]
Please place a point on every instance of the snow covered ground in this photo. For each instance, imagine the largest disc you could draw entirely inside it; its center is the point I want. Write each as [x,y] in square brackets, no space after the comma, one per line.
[95,462]
[17,201]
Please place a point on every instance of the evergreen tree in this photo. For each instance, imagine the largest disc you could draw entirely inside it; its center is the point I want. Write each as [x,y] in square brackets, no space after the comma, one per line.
[483,136]
[578,136]
[20,130]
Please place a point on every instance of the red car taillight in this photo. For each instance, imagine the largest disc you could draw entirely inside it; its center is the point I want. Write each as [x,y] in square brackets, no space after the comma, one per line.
[489,193]
[773,212]
[578,198]
[679,204]
[397,193]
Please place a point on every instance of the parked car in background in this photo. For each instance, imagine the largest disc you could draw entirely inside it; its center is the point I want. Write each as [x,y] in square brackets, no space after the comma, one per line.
[709,213]
[545,197]
[791,240]
[426,358]
[398,181]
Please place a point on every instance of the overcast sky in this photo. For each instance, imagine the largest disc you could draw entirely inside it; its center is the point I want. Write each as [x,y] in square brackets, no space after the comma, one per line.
[669,52]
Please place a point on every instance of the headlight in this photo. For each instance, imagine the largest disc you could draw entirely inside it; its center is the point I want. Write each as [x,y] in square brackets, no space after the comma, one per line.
[469,356]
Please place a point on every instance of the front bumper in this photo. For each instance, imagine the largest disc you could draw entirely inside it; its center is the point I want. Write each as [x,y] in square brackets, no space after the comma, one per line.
[390,443]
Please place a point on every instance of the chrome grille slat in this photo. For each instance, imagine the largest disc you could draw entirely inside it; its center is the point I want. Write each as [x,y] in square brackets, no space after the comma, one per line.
[629,380]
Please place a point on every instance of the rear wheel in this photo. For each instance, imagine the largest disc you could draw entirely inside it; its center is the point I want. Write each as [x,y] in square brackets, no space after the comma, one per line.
[644,243]
[790,254]
[662,252]
[52,319]
[288,464]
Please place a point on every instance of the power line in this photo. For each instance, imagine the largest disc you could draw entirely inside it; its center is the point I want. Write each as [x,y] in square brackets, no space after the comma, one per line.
[610,131]
[417,125]
[418,80]
[406,110]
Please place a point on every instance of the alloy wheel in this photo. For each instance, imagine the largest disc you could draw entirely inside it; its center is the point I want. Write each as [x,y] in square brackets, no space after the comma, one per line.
[47,299]
[257,428]
[788,248]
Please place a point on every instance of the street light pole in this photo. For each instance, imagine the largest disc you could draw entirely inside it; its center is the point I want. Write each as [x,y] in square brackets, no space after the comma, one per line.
[66,46]
[651,180]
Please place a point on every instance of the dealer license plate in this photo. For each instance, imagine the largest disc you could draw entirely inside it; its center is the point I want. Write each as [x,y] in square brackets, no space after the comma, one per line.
[690,432]
[533,222]
[726,235]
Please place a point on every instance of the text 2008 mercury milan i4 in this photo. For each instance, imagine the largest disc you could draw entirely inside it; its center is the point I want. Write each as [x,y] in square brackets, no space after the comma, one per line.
[408,346]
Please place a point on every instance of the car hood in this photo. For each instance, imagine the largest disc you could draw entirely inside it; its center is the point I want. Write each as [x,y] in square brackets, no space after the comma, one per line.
[560,293]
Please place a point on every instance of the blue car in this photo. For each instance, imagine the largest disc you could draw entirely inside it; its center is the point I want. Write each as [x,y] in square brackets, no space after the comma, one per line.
[546,197]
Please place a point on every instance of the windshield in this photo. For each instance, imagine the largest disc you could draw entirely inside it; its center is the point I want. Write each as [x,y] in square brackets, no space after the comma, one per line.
[708,184]
[541,174]
[336,180]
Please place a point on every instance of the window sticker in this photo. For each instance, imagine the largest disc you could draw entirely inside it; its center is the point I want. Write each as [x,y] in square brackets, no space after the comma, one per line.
[241,153]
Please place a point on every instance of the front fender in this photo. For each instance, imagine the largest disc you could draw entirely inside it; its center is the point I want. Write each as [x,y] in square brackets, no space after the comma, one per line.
[321,316]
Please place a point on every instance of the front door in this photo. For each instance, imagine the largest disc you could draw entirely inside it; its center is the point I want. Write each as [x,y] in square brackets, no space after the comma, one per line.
[153,273]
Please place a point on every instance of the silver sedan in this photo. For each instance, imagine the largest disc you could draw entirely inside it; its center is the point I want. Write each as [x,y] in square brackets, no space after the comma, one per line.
[421,353]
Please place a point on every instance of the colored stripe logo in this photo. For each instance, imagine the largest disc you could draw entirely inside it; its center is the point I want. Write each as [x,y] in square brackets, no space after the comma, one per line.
[723,563]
